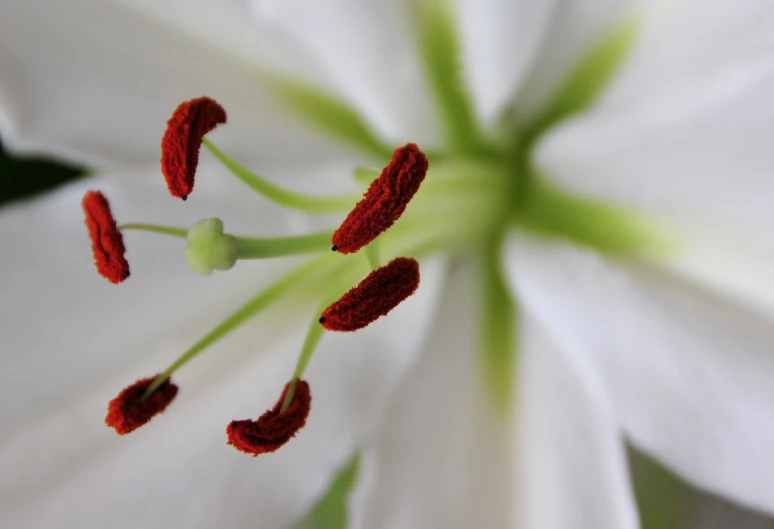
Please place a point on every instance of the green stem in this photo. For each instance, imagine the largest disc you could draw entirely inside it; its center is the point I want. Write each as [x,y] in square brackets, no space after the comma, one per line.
[310,343]
[314,334]
[278,194]
[261,248]
[237,318]
[166,230]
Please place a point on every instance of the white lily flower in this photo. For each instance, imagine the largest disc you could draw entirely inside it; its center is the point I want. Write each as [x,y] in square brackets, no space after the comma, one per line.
[552,321]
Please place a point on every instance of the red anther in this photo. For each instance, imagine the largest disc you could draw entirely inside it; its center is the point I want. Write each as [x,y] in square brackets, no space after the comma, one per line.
[107,243]
[375,296]
[274,428]
[127,412]
[182,140]
[384,202]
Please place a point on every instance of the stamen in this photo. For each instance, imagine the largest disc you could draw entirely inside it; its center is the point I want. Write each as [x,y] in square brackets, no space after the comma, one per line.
[384,202]
[280,195]
[375,296]
[129,410]
[155,228]
[182,140]
[274,428]
[107,243]
[307,350]
[300,278]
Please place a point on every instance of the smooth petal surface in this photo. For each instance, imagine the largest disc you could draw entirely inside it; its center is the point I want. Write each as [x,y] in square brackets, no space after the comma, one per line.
[96,81]
[72,342]
[684,129]
[572,462]
[500,42]
[444,457]
[731,261]
[369,47]
[688,373]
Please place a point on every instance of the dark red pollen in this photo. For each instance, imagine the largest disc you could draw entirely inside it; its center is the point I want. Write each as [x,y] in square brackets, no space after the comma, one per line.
[274,428]
[182,140]
[384,202]
[126,412]
[375,296]
[107,243]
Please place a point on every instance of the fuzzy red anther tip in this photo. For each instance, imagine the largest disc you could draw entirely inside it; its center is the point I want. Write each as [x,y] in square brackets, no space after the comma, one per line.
[182,140]
[127,412]
[272,429]
[107,243]
[385,201]
[381,291]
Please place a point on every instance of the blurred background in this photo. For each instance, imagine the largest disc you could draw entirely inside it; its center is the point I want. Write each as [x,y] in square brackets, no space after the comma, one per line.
[665,501]
[25,177]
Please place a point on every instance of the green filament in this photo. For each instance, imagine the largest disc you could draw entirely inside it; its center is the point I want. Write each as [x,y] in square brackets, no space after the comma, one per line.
[278,194]
[313,336]
[166,230]
[240,316]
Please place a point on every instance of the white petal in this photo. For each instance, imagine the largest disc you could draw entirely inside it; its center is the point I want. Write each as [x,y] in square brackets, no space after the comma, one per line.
[500,40]
[689,374]
[575,26]
[70,346]
[97,80]
[734,263]
[574,472]
[442,455]
[682,135]
[684,130]
[368,47]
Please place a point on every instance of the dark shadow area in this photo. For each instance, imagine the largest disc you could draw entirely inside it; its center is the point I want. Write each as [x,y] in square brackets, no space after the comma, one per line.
[24,177]
[667,502]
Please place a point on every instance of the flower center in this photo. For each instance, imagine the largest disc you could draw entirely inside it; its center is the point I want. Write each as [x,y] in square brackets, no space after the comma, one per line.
[465,198]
